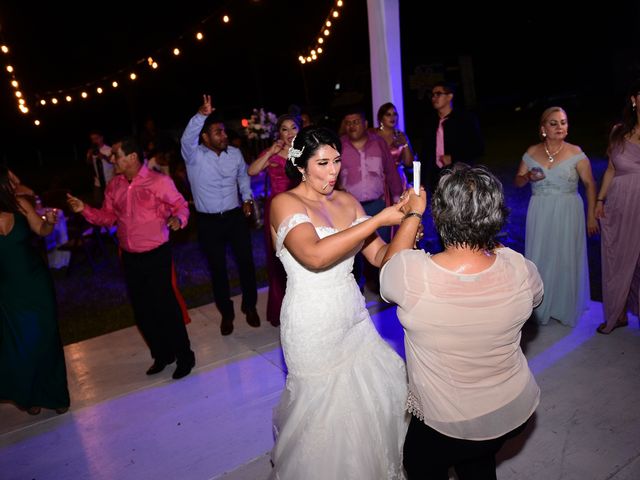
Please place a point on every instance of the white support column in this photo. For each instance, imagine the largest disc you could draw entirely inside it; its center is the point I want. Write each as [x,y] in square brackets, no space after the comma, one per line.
[384,49]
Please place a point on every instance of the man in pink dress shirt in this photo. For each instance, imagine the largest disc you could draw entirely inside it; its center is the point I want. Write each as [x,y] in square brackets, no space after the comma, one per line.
[145,205]
[368,173]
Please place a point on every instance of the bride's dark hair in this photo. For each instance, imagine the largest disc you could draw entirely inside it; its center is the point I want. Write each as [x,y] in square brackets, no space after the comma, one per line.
[308,140]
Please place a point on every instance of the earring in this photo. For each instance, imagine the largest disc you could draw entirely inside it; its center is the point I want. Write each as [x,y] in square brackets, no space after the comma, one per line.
[544,134]
[381,127]
[633,105]
[304,177]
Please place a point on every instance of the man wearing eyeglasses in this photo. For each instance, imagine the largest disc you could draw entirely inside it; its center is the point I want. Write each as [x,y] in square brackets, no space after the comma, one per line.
[452,136]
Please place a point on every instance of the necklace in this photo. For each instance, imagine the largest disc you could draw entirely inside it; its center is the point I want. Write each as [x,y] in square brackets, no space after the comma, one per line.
[552,155]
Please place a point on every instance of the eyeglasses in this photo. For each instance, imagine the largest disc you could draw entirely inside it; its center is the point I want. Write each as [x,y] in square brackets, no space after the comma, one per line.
[437,94]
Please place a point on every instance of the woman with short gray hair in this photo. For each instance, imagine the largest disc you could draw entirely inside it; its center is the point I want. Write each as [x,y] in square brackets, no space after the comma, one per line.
[462,311]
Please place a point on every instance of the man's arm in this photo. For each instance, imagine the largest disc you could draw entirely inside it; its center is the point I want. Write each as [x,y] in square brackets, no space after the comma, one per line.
[179,207]
[104,217]
[190,137]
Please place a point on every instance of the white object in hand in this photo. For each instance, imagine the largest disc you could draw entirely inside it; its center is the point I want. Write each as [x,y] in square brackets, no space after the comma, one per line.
[416,177]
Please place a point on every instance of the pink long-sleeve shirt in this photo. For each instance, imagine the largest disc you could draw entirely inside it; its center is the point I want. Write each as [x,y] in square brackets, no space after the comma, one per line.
[141,209]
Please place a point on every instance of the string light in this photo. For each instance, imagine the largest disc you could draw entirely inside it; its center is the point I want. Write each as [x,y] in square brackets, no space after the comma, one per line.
[36,123]
[117,77]
[325,31]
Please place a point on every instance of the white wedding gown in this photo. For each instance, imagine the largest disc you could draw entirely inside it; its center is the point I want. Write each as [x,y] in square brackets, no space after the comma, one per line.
[342,414]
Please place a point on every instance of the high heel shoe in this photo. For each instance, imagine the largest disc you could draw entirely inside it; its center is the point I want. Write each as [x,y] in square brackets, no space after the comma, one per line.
[601,328]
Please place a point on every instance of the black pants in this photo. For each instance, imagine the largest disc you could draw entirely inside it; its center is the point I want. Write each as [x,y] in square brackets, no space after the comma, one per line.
[215,232]
[155,307]
[428,454]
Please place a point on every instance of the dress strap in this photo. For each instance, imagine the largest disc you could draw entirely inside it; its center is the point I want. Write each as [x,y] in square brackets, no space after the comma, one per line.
[286,226]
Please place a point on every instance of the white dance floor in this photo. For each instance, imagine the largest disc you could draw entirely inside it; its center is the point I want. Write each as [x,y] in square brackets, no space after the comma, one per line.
[216,423]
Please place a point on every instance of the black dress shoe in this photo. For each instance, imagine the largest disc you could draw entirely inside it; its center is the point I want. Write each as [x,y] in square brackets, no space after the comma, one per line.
[158,366]
[184,368]
[252,318]
[226,326]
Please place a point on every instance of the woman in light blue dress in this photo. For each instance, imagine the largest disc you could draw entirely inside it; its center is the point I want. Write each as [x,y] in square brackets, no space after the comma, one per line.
[555,237]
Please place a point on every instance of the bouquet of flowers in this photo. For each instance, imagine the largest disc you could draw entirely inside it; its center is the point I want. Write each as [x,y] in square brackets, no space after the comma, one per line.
[261,125]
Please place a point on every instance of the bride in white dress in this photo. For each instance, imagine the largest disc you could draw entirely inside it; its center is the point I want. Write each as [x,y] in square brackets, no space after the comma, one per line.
[342,414]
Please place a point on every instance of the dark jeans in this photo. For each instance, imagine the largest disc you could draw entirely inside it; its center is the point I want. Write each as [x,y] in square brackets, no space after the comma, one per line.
[429,454]
[359,263]
[155,307]
[215,232]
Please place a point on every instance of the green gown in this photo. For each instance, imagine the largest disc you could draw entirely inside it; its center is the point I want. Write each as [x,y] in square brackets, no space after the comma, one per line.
[32,366]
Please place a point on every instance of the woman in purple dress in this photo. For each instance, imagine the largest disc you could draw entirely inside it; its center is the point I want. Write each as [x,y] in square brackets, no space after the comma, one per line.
[618,209]
[273,160]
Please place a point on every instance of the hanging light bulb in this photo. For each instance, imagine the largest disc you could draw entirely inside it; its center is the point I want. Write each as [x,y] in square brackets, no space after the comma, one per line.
[199,36]
[326,32]
[176,51]
[4,49]
[303,61]
[84,95]
[328,23]
[226,19]
[43,102]
[24,109]
[9,69]
[14,83]
[339,4]
[319,49]
[18,93]
[133,76]
[114,84]
[21,101]
[320,40]
[335,14]
[150,61]
[68,98]
[99,90]
[154,65]
[36,123]
[54,100]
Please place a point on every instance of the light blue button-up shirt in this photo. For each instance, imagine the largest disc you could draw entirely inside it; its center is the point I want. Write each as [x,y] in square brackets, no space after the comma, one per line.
[215,179]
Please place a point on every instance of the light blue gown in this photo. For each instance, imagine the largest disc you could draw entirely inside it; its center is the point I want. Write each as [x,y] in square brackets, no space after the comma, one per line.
[556,241]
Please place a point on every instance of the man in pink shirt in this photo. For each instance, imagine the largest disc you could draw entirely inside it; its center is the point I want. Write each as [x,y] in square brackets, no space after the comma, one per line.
[145,205]
[368,173]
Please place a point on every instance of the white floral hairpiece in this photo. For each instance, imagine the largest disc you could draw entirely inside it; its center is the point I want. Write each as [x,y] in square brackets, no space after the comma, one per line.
[294,153]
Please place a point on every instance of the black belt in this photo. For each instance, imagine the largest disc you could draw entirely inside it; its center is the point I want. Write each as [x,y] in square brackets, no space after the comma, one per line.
[225,214]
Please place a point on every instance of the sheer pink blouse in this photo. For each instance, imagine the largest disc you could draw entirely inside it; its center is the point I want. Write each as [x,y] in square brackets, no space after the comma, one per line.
[468,377]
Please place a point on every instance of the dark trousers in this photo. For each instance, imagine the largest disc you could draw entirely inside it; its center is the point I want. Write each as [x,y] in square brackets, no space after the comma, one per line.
[155,307]
[215,232]
[429,454]
[360,265]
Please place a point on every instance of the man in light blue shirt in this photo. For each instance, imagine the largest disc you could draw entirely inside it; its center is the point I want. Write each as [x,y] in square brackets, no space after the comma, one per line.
[216,173]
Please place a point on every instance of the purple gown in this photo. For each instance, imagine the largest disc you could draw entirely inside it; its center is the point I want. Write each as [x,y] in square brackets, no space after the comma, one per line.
[279,182]
[620,233]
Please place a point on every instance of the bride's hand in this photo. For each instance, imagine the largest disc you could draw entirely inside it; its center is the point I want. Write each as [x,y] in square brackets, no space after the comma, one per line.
[394,214]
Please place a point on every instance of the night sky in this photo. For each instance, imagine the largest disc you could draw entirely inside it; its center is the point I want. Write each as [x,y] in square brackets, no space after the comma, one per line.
[523,54]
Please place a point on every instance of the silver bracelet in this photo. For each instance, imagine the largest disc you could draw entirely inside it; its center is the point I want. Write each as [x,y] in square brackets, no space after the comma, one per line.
[412,214]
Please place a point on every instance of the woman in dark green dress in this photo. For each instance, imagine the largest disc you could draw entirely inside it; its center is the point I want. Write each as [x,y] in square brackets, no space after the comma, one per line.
[32,368]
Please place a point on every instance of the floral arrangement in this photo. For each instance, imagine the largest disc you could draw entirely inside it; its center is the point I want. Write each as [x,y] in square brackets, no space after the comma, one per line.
[261,125]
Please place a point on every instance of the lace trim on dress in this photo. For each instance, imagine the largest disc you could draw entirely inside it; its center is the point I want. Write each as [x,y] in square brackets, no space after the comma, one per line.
[414,406]
[286,226]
